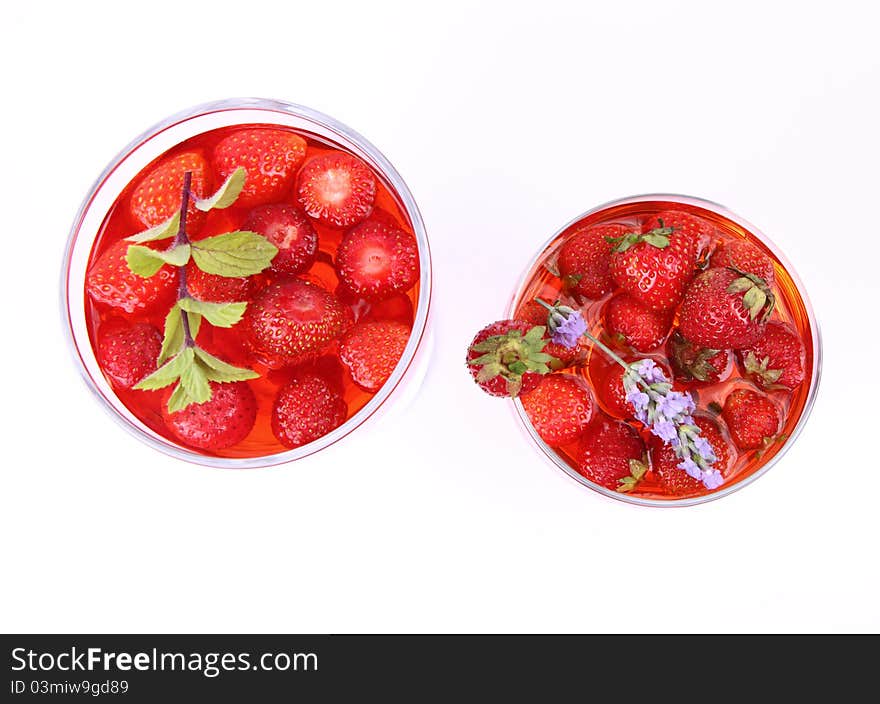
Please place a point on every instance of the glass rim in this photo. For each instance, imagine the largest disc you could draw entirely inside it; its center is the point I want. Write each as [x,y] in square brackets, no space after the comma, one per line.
[722,210]
[420,321]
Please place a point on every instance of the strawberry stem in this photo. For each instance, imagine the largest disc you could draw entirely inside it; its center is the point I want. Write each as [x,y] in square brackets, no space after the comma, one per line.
[182,238]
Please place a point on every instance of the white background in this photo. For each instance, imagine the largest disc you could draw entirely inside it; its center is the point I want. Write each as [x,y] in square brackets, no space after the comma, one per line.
[506,120]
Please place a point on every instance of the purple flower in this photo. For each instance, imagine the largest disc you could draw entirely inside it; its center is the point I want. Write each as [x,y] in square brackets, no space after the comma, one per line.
[712,478]
[569,330]
[650,372]
[665,429]
[675,403]
[639,401]
[691,467]
[704,448]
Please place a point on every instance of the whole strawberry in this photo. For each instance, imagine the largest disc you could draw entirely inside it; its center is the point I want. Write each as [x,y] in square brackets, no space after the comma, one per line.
[655,265]
[532,312]
[631,323]
[290,231]
[217,289]
[399,307]
[292,321]
[725,309]
[699,365]
[375,261]
[506,358]
[223,421]
[610,392]
[157,196]
[307,408]
[752,418]
[127,353]
[746,257]
[336,188]
[371,351]
[585,260]
[606,451]
[777,359]
[271,158]
[568,357]
[560,408]
[111,282]
[664,462]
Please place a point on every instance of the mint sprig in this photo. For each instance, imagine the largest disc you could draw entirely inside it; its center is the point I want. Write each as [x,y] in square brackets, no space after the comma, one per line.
[181,361]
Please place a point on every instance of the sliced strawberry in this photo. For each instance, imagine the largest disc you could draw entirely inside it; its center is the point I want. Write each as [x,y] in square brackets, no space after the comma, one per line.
[371,351]
[698,364]
[776,359]
[111,282]
[605,451]
[157,195]
[675,480]
[127,353]
[560,408]
[752,418]
[270,156]
[375,262]
[336,188]
[217,289]
[585,260]
[223,421]
[291,231]
[306,409]
[505,360]
[747,257]
[634,324]
[292,321]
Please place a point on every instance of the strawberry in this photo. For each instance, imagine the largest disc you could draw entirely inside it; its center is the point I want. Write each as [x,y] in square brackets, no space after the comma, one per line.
[565,357]
[725,309]
[375,261]
[506,358]
[752,418]
[634,324]
[777,358]
[656,265]
[605,451]
[217,289]
[697,364]
[585,260]
[665,462]
[127,353]
[532,312]
[223,421]
[398,307]
[291,232]
[336,188]
[293,321]
[270,157]
[111,282]
[157,195]
[306,409]
[372,350]
[560,408]
[747,257]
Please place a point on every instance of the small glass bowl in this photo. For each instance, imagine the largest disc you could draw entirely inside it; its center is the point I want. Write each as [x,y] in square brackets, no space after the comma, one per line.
[409,371]
[806,324]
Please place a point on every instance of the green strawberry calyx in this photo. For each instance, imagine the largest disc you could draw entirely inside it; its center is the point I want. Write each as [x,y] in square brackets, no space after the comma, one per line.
[760,368]
[692,362]
[757,298]
[637,470]
[511,355]
[181,361]
[658,237]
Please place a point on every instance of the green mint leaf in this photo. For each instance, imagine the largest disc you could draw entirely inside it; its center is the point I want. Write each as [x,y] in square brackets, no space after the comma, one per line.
[221,315]
[234,254]
[179,399]
[168,373]
[195,382]
[145,262]
[173,339]
[218,370]
[226,195]
[161,231]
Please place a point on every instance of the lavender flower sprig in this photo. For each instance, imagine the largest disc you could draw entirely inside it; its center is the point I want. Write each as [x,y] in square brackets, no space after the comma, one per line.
[666,413]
